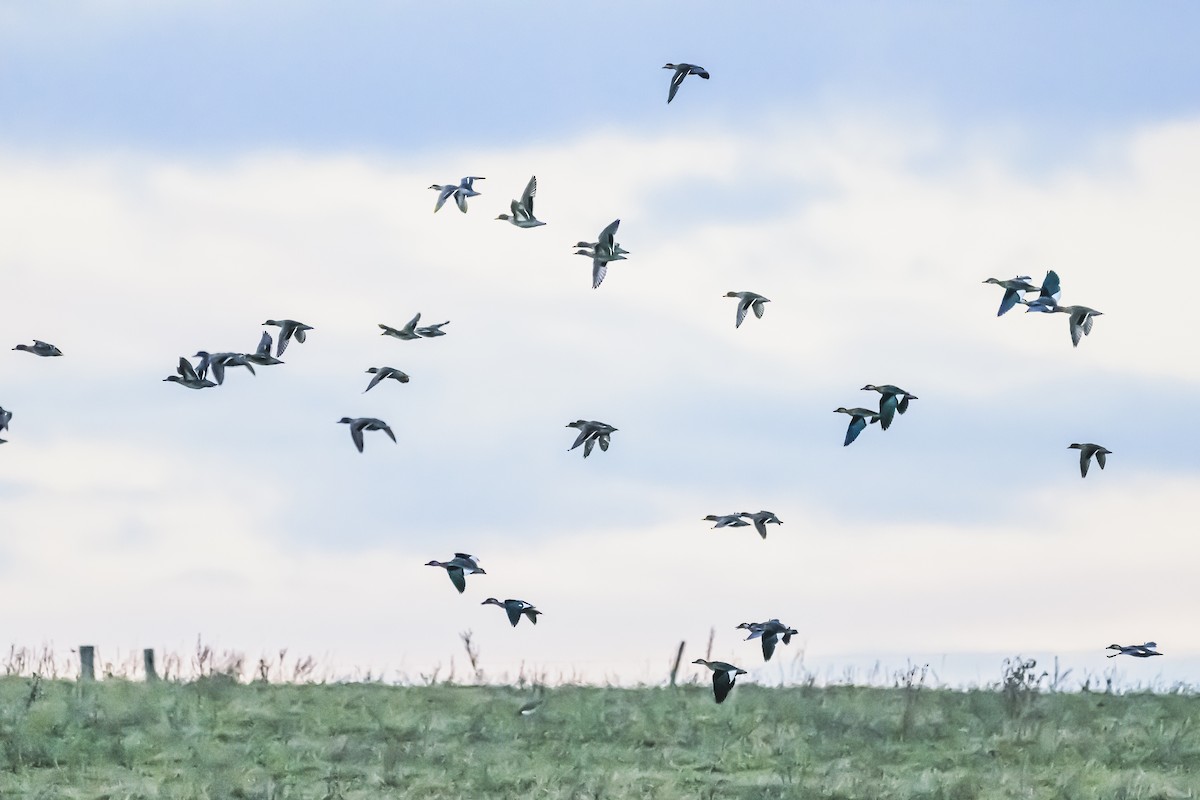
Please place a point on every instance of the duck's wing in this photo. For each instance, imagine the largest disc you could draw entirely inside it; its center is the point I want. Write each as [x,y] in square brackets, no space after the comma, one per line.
[758,307]
[605,242]
[456,577]
[264,345]
[528,194]
[701,71]
[286,332]
[1076,328]
[443,196]
[1100,460]
[584,433]
[902,406]
[412,323]
[386,429]
[356,433]
[857,424]
[514,613]
[722,683]
[186,370]
[1010,299]
[1051,287]
[1084,461]
[531,614]
[599,270]
[1086,322]
[769,640]
[760,525]
[218,370]
[460,197]
[676,80]
[587,447]
[887,410]
[603,441]
[742,307]
[376,378]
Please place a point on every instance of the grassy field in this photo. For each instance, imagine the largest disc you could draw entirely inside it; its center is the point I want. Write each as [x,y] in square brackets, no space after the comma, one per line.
[217,738]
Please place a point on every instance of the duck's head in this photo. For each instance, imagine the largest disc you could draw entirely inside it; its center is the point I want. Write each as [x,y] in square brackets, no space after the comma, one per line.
[491,601]
[869,387]
[700,661]
[993,280]
[1075,446]
[175,378]
[434,564]
[270,322]
[503,216]
[346,420]
[672,66]
[731,294]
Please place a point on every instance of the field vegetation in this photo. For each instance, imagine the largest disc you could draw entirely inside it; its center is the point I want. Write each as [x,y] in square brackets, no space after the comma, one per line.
[216,735]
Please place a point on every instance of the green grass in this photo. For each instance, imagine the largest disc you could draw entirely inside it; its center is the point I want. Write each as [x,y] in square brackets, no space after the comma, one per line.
[216,738]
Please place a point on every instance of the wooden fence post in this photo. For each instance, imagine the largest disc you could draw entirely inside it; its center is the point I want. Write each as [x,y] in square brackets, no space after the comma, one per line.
[87,662]
[148,664]
[678,658]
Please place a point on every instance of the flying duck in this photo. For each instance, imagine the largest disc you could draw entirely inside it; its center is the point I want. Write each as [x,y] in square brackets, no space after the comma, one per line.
[888,405]
[727,520]
[409,331]
[724,676]
[40,348]
[1136,650]
[591,433]
[383,373]
[1012,291]
[187,376]
[522,210]
[460,193]
[360,424]
[262,356]
[515,609]
[681,72]
[771,632]
[288,329]
[760,521]
[218,362]
[430,331]
[1079,321]
[859,417]
[1086,451]
[603,250]
[458,568]
[747,301]
[5,417]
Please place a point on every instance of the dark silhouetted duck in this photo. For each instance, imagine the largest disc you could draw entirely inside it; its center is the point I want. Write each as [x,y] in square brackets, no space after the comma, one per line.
[458,568]
[1086,451]
[360,424]
[724,676]
[515,609]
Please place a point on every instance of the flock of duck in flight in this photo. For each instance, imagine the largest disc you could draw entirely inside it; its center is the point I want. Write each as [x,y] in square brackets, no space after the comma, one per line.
[602,252]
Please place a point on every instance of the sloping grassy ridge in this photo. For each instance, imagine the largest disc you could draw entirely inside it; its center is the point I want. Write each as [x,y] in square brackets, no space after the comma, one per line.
[216,738]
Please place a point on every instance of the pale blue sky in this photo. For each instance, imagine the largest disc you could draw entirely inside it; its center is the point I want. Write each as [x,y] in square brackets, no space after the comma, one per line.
[172,176]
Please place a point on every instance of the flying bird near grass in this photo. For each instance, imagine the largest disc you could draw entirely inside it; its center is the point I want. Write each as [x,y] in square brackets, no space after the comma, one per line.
[724,677]
[1136,650]
[458,568]
[515,609]
[770,632]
